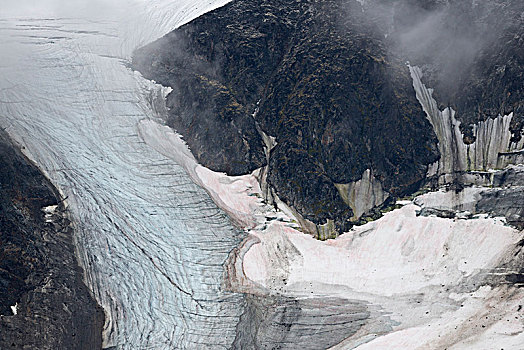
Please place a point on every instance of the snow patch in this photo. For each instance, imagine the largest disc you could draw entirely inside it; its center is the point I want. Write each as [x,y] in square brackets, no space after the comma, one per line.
[14,309]
[49,212]
[425,272]
[418,269]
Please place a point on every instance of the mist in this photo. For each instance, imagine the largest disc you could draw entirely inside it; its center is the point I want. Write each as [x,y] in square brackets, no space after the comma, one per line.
[444,37]
[56,8]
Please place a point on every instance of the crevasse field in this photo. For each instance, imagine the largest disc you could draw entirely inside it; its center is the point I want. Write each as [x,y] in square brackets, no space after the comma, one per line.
[152,242]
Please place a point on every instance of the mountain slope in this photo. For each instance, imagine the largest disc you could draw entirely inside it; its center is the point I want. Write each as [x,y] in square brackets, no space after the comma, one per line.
[318,78]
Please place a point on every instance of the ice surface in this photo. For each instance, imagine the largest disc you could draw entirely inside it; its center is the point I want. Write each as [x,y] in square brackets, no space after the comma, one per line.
[492,148]
[425,277]
[151,241]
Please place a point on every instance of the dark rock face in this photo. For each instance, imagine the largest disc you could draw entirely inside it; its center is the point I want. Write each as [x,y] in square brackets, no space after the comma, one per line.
[510,177]
[504,202]
[470,52]
[38,268]
[505,198]
[508,199]
[323,84]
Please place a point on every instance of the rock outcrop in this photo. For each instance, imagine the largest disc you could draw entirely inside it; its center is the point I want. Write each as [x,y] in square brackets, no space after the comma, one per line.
[508,199]
[43,301]
[316,76]
[504,198]
[335,85]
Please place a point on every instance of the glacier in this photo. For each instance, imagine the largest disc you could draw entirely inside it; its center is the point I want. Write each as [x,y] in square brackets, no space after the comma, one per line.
[151,242]
[169,247]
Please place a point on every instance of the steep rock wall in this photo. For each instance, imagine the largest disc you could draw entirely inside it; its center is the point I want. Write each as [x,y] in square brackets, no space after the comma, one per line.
[44,303]
[324,86]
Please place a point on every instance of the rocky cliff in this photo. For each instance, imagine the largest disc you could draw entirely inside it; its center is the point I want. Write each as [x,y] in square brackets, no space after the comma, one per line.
[329,83]
[43,301]
[313,75]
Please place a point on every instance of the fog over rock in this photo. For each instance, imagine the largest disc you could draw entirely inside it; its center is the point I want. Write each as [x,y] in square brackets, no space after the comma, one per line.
[469,52]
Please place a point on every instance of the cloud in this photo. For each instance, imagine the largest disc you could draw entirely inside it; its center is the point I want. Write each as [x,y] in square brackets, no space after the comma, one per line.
[56,8]
[448,35]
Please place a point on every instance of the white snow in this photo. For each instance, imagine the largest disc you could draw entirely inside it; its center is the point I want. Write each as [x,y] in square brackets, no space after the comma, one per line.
[426,273]
[14,309]
[404,252]
[49,211]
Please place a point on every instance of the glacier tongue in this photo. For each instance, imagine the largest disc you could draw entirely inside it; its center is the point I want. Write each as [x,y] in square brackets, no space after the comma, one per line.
[152,243]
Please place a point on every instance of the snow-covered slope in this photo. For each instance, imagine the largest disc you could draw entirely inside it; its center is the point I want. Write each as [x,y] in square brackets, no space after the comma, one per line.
[151,241]
[427,282]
